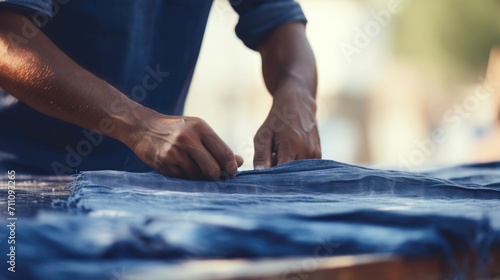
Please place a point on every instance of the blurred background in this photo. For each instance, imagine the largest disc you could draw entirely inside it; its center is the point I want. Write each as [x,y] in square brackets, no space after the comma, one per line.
[404,84]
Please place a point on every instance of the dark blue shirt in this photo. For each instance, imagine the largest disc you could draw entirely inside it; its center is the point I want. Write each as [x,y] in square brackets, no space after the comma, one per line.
[146,49]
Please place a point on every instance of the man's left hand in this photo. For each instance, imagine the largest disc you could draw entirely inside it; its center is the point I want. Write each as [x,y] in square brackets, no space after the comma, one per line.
[290,131]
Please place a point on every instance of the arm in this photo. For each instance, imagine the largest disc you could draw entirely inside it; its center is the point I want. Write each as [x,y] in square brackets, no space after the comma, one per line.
[290,130]
[42,76]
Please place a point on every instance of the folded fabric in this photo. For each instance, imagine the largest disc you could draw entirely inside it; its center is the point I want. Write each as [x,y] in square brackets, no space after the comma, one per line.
[310,208]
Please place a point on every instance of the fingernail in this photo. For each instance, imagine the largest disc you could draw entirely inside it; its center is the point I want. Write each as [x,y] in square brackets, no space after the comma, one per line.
[259,167]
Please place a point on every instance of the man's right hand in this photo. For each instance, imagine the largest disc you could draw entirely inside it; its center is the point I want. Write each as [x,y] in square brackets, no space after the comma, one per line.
[183,147]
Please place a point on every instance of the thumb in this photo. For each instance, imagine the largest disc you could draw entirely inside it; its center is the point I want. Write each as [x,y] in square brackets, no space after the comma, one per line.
[262,156]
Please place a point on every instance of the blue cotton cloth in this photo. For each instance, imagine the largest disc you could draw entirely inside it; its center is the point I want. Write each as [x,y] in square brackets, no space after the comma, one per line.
[307,208]
[122,42]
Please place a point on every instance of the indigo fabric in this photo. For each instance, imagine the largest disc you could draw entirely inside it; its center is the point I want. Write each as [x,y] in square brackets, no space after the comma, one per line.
[307,208]
[32,8]
[146,49]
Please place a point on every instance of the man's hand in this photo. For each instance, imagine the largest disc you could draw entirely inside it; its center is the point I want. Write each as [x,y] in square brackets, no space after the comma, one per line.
[184,147]
[39,74]
[290,132]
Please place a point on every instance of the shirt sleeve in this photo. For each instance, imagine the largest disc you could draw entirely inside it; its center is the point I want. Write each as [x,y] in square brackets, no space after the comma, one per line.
[29,7]
[258,18]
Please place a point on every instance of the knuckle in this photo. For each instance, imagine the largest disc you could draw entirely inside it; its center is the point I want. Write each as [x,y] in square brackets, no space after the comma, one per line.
[256,137]
[260,144]
[189,123]
[263,136]
[259,157]
[161,161]
[227,156]
[183,137]
[166,157]
[198,122]
[231,166]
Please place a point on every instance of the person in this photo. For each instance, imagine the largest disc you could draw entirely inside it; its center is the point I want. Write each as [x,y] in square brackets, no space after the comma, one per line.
[93,85]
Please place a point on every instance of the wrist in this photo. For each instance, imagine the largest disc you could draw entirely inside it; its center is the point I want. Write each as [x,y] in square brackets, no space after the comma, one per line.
[296,95]
[128,119]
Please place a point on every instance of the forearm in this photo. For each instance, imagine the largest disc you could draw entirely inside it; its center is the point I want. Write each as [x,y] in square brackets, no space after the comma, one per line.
[288,63]
[290,74]
[43,77]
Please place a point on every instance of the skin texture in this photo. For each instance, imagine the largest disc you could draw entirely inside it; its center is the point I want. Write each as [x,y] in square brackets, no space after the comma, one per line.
[290,131]
[38,73]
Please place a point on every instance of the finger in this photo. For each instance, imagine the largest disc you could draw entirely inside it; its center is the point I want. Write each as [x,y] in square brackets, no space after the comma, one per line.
[167,167]
[284,154]
[182,166]
[221,152]
[262,144]
[239,160]
[193,170]
[206,163]
[173,172]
